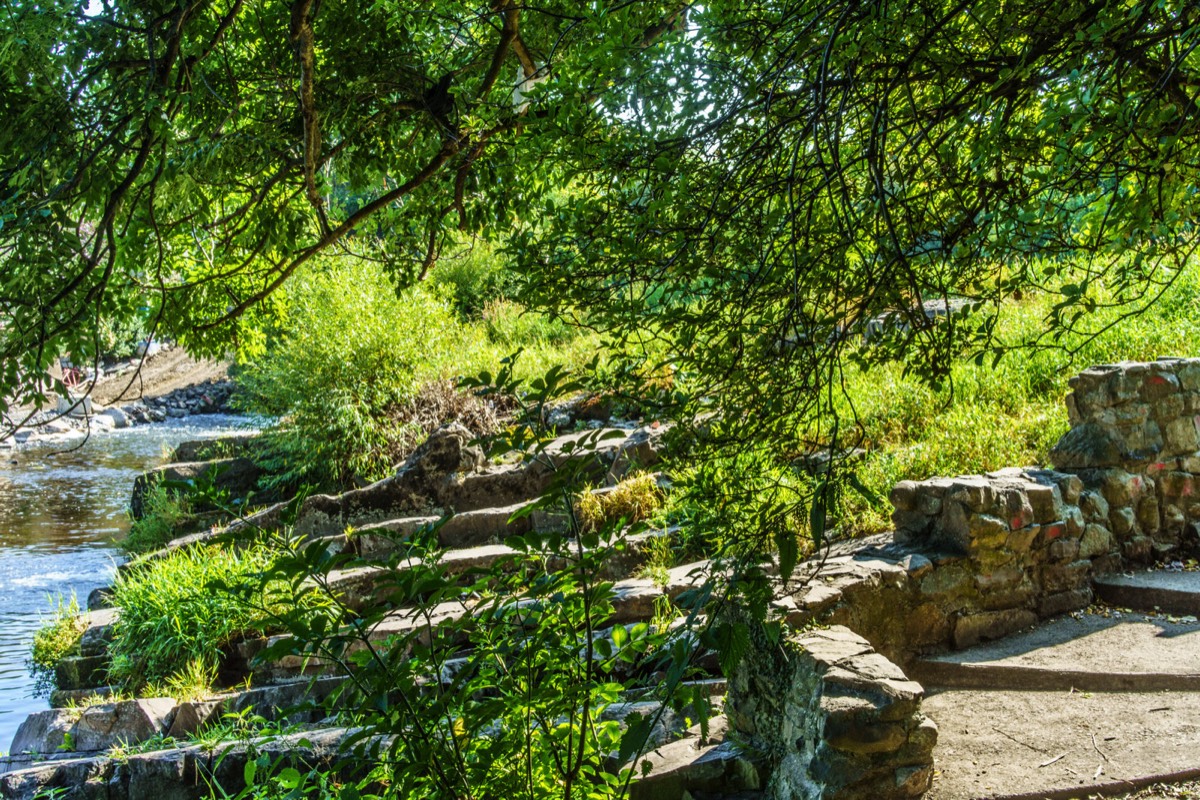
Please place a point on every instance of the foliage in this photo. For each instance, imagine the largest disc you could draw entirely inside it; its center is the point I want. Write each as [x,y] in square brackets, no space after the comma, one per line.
[118,337]
[632,500]
[177,612]
[473,276]
[58,638]
[166,512]
[497,684]
[349,360]
[912,431]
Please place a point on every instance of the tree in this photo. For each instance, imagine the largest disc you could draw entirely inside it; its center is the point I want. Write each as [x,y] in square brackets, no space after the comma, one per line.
[749,182]
[198,153]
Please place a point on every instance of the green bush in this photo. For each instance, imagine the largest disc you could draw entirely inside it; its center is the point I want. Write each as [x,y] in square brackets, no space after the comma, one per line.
[350,354]
[178,612]
[58,638]
[472,277]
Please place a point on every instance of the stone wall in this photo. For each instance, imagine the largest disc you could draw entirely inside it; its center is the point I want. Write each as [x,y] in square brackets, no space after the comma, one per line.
[1135,440]
[973,558]
[828,717]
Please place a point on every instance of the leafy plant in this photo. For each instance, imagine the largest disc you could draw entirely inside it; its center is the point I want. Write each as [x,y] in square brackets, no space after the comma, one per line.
[351,355]
[58,638]
[178,612]
[494,682]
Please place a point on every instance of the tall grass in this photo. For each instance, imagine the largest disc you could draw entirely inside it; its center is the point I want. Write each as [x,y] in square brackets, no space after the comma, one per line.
[991,416]
[178,612]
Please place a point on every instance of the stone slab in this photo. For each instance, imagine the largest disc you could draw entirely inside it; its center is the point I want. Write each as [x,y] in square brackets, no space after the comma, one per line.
[1005,743]
[1085,650]
[1172,592]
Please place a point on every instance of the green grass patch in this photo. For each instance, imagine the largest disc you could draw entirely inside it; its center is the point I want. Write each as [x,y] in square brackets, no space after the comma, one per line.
[165,516]
[178,612]
[1010,413]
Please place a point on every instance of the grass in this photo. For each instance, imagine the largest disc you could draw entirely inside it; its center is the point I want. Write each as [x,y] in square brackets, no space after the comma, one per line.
[165,513]
[634,499]
[177,613]
[58,638]
[1009,414]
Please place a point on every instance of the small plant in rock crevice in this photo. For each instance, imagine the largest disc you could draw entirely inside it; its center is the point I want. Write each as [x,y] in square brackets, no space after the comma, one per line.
[165,513]
[634,499]
[57,639]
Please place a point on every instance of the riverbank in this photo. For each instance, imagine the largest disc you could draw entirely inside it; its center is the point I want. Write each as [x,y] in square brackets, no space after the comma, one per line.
[167,385]
[61,511]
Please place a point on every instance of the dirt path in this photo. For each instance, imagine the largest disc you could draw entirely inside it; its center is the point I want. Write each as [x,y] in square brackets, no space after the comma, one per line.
[161,374]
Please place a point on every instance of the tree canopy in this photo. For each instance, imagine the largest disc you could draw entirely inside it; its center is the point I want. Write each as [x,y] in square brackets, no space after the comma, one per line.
[750,183]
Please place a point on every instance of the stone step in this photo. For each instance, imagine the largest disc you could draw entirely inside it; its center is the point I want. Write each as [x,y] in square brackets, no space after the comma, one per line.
[101,726]
[1088,651]
[360,586]
[694,767]
[1026,744]
[633,601]
[1154,590]
[180,773]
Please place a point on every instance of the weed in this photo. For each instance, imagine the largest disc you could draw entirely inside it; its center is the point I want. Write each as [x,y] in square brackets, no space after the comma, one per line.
[165,512]
[634,499]
[58,638]
[194,681]
[660,557]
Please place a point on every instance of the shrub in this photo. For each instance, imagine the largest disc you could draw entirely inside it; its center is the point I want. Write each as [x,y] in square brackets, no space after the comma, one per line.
[165,515]
[352,353]
[58,638]
[472,277]
[178,612]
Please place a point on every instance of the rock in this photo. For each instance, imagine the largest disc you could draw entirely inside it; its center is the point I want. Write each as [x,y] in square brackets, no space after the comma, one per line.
[43,731]
[99,631]
[99,598]
[1088,446]
[972,629]
[104,726]
[205,449]
[237,476]
[192,717]
[117,418]
[75,407]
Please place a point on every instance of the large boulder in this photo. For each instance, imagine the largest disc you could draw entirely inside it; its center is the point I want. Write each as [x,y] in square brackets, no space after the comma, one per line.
[237,476]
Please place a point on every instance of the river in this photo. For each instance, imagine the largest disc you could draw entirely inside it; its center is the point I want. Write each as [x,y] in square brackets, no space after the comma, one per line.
[60,513]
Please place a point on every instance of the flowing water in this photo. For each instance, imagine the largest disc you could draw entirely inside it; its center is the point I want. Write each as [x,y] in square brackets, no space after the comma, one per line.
[60,513]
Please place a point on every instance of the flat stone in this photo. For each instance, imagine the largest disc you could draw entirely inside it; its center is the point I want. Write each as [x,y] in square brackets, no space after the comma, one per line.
[43,731]
[971,629]
[1172,592]
[1005,743]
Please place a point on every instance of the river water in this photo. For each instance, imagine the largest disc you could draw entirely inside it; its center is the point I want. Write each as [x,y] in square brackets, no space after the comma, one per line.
[60,513]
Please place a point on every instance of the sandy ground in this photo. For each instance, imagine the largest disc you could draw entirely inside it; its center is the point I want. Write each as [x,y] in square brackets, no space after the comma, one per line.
[159,375]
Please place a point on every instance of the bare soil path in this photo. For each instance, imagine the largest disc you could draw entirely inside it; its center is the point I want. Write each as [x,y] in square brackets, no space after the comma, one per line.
[1100,703]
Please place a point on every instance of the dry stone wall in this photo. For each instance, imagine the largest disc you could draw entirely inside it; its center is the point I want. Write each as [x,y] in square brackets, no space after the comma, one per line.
[831,718]
[1135,439]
